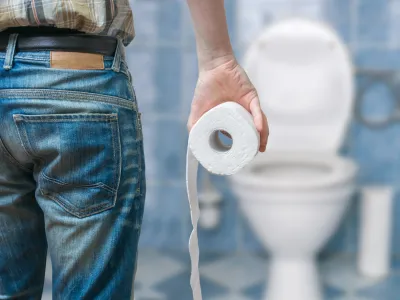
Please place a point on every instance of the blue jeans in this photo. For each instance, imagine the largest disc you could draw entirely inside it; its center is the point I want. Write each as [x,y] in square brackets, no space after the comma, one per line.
[72,177]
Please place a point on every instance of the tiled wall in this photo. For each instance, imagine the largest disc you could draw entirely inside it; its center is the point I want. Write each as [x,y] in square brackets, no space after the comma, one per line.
[163,63]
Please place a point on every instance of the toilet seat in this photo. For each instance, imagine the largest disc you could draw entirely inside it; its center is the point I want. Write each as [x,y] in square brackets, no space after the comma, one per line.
[297,171]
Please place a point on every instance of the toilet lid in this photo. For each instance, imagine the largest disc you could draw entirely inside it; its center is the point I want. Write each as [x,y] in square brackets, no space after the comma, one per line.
[303,75]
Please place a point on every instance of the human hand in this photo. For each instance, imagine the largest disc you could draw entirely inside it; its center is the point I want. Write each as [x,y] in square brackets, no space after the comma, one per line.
[223,80]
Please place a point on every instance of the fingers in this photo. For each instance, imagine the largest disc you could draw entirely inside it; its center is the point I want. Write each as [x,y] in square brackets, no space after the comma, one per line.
[195,115]
[264,134]
[260,120]
[190,123]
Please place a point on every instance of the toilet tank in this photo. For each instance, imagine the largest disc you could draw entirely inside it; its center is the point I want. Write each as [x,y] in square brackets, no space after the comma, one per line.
[303,74]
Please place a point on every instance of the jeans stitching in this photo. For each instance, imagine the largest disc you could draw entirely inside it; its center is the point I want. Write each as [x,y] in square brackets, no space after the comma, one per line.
[23,293]
[10,51]
[114,146]
[69,207]
[132,90]
[70,116]
[139,151]
[66,95]
[32,153]
[98,184]
[111,119]
[80,213]
[117,147]
[11,158]
[23,136]
[66,118]
[26,58]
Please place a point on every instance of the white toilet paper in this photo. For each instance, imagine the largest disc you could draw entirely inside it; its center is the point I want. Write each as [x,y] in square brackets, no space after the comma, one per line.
[205,147]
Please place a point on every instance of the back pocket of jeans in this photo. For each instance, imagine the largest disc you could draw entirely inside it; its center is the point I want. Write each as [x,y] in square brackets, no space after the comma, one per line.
[78,158]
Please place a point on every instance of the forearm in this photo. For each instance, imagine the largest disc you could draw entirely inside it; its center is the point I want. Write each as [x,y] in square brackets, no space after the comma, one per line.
[212,38]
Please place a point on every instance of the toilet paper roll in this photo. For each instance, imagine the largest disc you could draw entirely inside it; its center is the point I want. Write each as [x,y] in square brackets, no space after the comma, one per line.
[204,146]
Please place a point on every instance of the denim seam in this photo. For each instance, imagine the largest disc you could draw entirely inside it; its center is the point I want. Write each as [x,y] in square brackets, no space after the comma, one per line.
[80,213]
[125,73]
[65,120]
[121,70]
[68,117]
[139,146]
[66,204]
[23,136]
[67,95]
[25,58]
[98,184]
[131,88]
[11,158]
[17,296]
[31,152]
[10,52]
[117,147]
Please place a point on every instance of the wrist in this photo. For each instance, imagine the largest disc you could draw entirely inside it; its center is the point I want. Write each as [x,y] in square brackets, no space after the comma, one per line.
[211,60]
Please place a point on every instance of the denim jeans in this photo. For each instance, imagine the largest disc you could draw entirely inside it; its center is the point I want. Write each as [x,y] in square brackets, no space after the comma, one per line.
[72,177]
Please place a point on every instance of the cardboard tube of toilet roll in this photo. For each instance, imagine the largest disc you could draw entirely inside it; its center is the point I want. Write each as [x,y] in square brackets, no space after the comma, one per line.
[204,147]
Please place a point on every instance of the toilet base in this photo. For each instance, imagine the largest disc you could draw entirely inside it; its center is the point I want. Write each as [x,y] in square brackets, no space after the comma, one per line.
[293,279]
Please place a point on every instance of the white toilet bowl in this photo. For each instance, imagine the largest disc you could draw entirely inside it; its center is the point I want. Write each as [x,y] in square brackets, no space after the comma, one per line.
[295,194]
[294,203]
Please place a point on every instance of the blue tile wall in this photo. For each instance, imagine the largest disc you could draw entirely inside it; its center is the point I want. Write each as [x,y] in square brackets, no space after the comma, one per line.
[163,63]
[163,226]
[142,67]
[167,80]
[249,241]
[169,19]
[338,13]
[145,19]
[225,236]
[165,147]
[373,22]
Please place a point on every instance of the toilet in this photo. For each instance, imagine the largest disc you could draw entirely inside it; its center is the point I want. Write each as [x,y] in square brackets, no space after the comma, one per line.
[295,194]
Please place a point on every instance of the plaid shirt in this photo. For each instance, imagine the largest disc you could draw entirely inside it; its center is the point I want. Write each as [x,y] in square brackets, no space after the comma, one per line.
[102,17]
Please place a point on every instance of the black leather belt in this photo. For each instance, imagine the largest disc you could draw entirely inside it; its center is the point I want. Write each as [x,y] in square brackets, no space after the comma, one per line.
[53,39]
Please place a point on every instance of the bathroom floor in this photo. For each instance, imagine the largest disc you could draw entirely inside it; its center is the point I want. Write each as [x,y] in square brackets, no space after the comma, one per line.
[165,276]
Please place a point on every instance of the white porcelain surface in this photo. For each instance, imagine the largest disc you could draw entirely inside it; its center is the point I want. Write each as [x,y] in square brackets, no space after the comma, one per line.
[303,76]
[284,171]
[296,193]
[298,220]
[294,215]
[297,275]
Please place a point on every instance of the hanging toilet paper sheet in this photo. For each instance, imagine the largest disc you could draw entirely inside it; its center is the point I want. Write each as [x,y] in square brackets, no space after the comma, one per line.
[204,146]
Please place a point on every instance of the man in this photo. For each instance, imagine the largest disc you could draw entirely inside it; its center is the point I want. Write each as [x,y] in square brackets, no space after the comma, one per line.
[72,173]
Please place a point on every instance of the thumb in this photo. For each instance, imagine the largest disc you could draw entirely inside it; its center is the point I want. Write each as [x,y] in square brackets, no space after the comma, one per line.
[190,123]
